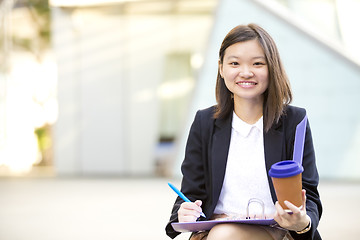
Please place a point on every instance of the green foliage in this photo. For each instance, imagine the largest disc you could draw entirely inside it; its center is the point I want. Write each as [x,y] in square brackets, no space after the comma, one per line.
[44,138]
[41,18]
[43,12]
[41,6]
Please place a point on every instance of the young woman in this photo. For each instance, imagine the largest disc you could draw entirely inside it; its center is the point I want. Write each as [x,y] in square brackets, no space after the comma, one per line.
[231,146]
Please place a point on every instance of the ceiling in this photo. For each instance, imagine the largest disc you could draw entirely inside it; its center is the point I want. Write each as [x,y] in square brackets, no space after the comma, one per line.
[144,6]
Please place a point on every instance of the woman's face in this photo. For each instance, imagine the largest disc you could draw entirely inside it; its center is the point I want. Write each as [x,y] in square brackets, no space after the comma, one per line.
[245,71]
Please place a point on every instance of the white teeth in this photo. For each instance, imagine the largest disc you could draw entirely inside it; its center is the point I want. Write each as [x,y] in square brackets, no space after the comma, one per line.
[247,83]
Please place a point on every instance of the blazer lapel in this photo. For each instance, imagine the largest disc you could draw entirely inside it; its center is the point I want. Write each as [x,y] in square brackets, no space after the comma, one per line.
[219,153]
[273,147]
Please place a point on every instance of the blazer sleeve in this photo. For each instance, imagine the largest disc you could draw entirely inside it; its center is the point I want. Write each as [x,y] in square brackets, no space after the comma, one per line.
[310,180]
[193,182]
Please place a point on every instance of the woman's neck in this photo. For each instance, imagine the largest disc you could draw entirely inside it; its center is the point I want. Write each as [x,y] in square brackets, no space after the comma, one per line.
[249,112]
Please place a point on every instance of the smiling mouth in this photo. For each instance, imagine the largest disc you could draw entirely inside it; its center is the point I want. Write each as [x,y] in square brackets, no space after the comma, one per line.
[246,83]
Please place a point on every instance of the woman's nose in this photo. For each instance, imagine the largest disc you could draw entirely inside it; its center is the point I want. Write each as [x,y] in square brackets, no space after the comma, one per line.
[246,73]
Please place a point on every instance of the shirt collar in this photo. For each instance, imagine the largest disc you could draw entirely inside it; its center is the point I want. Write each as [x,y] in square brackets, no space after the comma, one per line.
[244,128]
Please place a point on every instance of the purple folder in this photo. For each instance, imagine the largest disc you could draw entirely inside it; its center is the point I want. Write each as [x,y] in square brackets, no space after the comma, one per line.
[299,141]
[207,225]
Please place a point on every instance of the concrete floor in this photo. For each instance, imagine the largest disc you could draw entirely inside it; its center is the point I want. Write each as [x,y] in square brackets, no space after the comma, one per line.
[131,209]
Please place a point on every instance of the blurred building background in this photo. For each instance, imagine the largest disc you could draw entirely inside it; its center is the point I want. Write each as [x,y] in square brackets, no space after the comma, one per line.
[110,87]
[126,75]
[97,96]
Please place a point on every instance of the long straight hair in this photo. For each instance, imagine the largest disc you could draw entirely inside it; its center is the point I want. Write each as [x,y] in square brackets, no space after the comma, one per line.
[278,93]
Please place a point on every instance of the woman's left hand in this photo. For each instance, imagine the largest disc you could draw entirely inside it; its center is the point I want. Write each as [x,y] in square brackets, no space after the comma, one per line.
[296,221]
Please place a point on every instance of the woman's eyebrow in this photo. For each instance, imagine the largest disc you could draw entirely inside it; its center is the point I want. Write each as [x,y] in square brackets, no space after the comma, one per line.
[229,57]
[262,57]
[236,57]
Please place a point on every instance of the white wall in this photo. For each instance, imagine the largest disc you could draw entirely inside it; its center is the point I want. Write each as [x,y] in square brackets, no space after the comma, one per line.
[110,67]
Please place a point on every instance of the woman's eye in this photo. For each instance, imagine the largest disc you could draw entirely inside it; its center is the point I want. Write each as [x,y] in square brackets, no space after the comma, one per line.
[234,63]
[259,63]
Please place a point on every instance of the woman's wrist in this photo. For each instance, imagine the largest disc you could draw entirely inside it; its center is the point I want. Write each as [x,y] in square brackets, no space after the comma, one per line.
[307,228]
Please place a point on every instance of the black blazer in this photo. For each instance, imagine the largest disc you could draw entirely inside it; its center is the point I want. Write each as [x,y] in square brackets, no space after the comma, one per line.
[206,155]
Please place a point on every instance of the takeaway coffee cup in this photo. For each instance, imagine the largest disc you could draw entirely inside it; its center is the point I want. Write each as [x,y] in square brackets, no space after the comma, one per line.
[286,177]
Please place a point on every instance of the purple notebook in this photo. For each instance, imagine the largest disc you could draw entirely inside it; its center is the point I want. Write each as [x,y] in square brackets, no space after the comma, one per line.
[207,225]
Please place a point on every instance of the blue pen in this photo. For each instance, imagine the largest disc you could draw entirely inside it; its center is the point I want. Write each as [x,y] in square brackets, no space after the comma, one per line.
[182,196]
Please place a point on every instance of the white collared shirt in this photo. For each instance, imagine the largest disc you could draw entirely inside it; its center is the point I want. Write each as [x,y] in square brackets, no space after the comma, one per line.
[245,175]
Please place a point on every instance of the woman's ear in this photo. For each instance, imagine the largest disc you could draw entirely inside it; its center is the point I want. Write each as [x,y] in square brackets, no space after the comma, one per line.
[220,69]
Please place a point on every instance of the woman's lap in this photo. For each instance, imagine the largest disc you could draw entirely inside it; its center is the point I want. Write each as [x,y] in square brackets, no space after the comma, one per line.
[228,231]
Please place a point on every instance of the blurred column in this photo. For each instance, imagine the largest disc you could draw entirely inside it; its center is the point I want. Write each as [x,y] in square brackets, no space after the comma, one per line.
[5,38]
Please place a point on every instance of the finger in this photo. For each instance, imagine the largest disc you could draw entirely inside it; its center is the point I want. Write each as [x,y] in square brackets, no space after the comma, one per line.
[285,217]
[281,216]
[198,202]
[304,198]
[192,213]
[294,209]
[187,219]
[277,217]
[280,211]
[190,207]
[187,216]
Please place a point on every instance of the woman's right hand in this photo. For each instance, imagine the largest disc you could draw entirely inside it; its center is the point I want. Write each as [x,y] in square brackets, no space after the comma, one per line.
[189,211]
